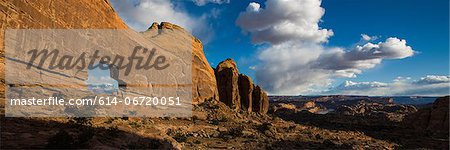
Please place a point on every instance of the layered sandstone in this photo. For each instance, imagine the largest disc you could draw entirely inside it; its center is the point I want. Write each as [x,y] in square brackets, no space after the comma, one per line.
[86,14]
[237,91]
[203,78]
[48,14]
[227,80]
[260,100]
[245,92]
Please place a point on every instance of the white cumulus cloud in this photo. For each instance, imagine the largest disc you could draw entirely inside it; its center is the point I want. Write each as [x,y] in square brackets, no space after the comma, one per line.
[284,20]
[296,61]
[348,63]
[291,68]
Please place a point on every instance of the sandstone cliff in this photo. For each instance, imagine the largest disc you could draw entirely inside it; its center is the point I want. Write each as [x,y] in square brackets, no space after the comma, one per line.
[203,78]
[87,14]
[48,14]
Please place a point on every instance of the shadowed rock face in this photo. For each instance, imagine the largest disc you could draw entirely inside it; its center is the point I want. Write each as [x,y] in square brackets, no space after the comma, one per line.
[227,80]
[392,112]
[260,100]
[246,91]
[434,120]
[237,91]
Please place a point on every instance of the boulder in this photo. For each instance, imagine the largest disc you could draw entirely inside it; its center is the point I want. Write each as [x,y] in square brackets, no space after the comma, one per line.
[245,92]
[227,83]
[260,100]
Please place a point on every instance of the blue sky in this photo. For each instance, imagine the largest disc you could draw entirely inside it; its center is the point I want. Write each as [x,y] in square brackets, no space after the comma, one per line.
[100,76]
[423,25]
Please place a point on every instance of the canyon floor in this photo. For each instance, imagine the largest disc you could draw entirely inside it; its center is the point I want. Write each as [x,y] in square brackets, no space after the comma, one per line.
[214,126]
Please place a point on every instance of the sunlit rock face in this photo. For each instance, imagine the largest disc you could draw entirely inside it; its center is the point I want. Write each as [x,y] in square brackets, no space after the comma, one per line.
[39,15]
[203,78]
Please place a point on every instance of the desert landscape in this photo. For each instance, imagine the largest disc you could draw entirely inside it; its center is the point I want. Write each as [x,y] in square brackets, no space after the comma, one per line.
[229,110]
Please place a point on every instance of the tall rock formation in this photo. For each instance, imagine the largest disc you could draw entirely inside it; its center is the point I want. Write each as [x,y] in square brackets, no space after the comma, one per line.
[260,100]
[434,120]
[227,80]
[245,91]
[237,91]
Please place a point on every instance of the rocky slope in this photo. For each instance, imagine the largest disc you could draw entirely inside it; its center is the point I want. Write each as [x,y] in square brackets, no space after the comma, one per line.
[381,119]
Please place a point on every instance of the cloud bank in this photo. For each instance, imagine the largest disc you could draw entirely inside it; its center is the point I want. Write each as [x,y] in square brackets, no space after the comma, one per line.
[296,61]
[431,85]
